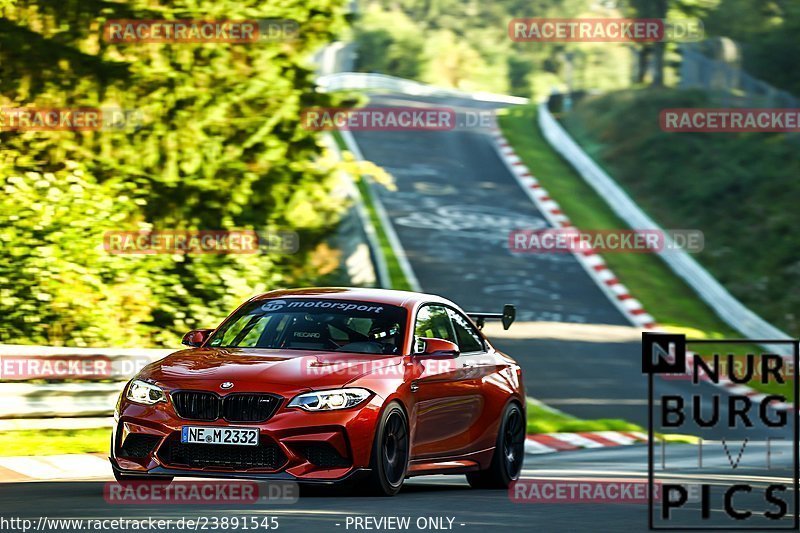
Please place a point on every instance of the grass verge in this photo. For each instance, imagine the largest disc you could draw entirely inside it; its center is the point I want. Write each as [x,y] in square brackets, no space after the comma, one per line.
[647,277]
[544,419]
[739,188]
[54,441]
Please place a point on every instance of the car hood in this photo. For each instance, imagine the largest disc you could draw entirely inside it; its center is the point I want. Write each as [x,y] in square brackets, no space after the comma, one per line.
[254,370]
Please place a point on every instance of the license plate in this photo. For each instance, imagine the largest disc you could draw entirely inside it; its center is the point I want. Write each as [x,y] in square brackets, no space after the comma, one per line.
[219,435]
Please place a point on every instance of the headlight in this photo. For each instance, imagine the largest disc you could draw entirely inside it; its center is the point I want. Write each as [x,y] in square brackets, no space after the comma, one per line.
[328,400]
[142,392]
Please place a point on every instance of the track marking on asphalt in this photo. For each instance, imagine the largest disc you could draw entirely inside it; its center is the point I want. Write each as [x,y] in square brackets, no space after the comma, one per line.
[568,474]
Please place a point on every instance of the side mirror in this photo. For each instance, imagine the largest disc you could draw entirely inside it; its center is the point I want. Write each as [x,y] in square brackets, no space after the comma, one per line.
[197,337]
[438,347]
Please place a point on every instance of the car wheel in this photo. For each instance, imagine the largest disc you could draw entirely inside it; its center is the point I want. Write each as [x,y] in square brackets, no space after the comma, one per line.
[390,451]
[508,455]
[123,479]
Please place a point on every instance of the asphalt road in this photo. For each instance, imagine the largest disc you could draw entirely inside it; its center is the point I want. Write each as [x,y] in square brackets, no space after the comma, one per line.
[450,501]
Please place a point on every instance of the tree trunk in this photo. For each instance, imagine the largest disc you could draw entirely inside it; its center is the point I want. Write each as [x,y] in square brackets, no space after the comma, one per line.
[658,48]
[643,59]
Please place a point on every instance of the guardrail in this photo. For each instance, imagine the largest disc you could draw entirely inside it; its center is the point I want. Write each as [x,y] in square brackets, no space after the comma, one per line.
[59,392]
[366,81]
[725,305]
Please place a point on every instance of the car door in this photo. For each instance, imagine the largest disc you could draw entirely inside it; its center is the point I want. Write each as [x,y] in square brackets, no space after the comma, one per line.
[491,376]
[447,397]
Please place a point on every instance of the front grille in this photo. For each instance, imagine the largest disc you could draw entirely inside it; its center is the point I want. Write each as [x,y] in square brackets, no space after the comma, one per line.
[237,407]
[265,456]
[138,445]
[196,405]
[323,455]
[249,407]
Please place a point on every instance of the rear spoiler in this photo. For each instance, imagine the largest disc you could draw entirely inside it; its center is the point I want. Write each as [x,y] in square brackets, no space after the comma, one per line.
[507,316]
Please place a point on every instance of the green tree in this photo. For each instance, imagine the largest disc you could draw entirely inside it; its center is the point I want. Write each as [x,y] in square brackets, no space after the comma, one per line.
[220,146]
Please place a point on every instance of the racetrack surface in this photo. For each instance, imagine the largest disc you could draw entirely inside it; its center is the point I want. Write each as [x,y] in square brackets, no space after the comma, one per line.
[442,497]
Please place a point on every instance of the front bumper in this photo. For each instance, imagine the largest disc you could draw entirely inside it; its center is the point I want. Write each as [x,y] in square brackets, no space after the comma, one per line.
[294,445]
[353,475]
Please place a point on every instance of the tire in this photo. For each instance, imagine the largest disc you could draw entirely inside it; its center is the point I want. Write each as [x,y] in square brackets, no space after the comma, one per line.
[124,479]
[508,454]
[390,453]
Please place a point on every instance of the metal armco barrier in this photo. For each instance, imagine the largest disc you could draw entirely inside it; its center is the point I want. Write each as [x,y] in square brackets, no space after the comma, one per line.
[64,395]
[729,309]
[361,81]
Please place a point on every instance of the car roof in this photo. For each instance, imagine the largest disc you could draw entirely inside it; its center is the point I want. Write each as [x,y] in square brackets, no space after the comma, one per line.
[406,299]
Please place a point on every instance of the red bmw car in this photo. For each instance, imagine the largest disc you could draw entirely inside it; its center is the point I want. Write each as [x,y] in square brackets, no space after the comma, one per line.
[329,385]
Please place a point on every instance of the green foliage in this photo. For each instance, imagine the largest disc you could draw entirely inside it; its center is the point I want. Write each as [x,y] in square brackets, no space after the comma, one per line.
[219,147]
[544,419]
[738,188]
[465,44]
[26,442]
[388,42]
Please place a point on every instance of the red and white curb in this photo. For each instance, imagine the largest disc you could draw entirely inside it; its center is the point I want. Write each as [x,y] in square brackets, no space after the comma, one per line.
[593,263]
[589,259]
[560,442]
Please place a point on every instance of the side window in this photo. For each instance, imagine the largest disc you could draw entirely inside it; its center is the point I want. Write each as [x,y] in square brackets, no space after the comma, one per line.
[433,321]
[469,340]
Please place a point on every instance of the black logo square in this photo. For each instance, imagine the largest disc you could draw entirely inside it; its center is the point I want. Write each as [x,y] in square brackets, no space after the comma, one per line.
[663,353]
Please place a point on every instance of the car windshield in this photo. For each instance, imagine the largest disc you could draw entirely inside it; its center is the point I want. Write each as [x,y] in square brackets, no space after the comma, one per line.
[318,325]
